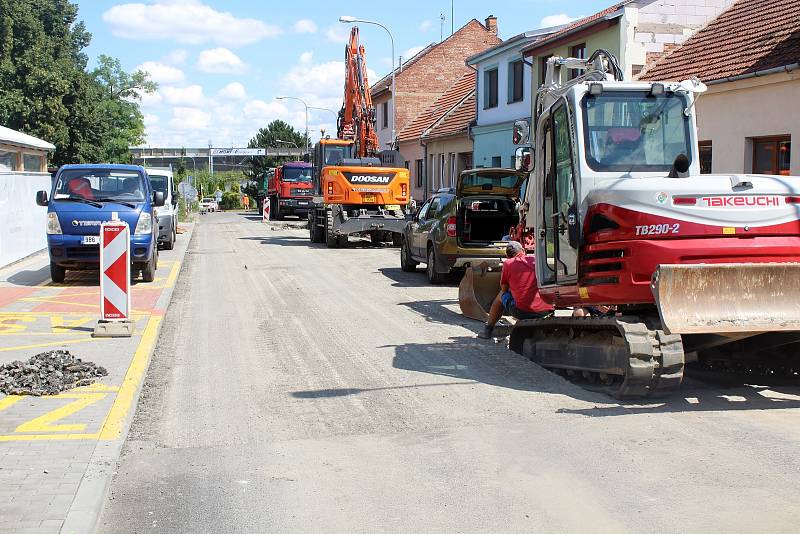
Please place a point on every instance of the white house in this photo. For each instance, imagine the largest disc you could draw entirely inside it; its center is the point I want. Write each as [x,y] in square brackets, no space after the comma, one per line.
[23,172]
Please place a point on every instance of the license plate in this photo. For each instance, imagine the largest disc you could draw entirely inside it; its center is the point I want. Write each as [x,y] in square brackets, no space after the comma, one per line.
[91,240]
[369,198]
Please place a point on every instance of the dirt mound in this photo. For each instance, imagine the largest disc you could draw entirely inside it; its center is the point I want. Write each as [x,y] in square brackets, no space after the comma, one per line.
[48,373]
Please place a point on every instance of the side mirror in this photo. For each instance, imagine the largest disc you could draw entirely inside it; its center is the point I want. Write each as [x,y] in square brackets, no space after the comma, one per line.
[522,132]
[41,198]
[523,159]
[158,199]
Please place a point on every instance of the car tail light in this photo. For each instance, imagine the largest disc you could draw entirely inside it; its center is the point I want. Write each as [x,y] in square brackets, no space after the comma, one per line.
[451,227]
[793,200]
[403,190]
[684,201]
[330,188]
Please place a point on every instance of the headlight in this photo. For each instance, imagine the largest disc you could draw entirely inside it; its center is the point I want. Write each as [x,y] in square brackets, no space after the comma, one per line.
[145,224]
[53,226]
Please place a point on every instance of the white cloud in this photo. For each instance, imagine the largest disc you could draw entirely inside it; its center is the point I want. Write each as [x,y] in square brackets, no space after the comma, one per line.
[150,100]
[151,120]
[337,34]
[161,73]
[425,25]
[187,21]
[411,52]
[220,61]
[233,91]
[189,96]
[176,57]
[557,20]
[189,118]
[304,26]
[266,111]
[306,57]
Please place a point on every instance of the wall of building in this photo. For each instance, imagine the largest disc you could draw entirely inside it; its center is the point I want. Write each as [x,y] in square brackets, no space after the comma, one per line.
[491,141]
[731,114]
[22,222]
[413,151]
[504,111]
[457,146]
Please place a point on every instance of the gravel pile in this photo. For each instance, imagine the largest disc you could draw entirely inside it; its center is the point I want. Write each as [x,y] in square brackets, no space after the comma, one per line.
[47,373]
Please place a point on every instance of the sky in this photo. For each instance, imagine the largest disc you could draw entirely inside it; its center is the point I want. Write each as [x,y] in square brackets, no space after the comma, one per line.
[221,65]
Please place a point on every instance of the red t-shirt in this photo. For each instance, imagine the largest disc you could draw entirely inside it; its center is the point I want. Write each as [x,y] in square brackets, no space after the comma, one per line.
[519,273]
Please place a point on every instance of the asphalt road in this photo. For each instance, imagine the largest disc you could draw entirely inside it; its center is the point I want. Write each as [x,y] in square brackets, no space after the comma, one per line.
[301,389]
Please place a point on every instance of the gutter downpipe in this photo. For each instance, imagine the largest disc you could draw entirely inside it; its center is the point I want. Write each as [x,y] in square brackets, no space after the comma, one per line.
[757,74]
[477,109]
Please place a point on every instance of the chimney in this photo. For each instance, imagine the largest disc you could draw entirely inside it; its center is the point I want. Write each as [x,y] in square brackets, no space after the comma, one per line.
[491,24]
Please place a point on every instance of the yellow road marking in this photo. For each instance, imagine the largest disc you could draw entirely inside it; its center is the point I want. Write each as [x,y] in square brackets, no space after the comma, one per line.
[45,423]
[45,300]
[10,324]
[58,324]
[47,437]
[9,401]
[112,426]
[48,344]
[173,274]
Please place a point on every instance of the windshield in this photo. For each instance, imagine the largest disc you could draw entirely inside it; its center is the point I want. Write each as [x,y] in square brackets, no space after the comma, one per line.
[159,182]
[635,131]
[489,180]
[99,185]
[336,153]
[297,174]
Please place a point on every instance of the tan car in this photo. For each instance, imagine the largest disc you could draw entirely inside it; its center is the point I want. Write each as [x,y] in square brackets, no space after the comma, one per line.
[461,226]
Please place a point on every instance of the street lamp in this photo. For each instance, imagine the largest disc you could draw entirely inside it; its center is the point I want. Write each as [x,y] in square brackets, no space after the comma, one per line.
[346,19]
[306,106]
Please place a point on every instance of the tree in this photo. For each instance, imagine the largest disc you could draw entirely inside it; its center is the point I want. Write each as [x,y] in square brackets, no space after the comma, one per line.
[46,90]
[268,138]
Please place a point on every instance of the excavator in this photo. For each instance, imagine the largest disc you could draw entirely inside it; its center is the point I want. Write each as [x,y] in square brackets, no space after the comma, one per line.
[669,266]
[358,189]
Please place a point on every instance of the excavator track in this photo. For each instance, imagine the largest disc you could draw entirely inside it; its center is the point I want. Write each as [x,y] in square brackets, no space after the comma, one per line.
[628,356]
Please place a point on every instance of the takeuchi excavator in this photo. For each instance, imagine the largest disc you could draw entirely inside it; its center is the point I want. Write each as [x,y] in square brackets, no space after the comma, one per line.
[358,189]
[693,267]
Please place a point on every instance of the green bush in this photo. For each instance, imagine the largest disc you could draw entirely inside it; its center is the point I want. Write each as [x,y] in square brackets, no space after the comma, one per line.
[230,201]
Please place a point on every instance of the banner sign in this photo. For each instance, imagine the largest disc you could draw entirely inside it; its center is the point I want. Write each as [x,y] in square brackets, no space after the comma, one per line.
[238,151]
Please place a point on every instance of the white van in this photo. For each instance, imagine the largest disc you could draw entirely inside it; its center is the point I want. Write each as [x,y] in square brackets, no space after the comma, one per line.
[161,180]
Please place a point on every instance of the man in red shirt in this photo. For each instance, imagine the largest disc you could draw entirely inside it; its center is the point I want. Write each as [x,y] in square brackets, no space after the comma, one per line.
[519,293]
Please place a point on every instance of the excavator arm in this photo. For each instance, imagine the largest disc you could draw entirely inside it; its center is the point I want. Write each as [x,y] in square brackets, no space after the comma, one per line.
[357,116]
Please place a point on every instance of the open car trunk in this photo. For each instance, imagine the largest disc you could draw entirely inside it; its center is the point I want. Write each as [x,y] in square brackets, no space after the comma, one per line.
[485,219]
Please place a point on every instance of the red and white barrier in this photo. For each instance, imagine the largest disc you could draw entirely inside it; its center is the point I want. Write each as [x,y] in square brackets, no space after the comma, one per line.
[265,211]
[115,271]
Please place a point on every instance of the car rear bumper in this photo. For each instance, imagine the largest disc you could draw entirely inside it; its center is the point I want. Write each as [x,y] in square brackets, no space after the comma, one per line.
[68,251]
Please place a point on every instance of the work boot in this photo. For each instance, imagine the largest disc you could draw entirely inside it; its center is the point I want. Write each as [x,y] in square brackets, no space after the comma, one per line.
[486,333]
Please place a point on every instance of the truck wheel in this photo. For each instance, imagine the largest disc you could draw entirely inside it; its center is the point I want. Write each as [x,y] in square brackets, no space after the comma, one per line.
[315,231]
[149,268]
[331,239]
[57,273]
[434,277]
[169,244]
[407,264]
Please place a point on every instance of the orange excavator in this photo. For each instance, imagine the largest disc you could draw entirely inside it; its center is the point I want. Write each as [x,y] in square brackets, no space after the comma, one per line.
[358,189]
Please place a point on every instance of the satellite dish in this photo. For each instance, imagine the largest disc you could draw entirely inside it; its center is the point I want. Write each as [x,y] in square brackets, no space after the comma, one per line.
[693,85]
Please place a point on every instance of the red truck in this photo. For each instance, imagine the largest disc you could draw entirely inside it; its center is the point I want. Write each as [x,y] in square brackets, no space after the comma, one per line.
[289,190]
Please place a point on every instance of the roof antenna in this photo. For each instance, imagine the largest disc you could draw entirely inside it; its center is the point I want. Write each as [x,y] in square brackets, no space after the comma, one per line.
[442,18]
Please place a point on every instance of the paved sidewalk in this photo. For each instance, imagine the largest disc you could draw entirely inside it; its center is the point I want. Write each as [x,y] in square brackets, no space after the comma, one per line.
[57,453]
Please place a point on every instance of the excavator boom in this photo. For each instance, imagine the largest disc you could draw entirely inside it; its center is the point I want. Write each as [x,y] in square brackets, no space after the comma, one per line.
[357,116]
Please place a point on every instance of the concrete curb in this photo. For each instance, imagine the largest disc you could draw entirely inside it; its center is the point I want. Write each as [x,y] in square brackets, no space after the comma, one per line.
[84,513]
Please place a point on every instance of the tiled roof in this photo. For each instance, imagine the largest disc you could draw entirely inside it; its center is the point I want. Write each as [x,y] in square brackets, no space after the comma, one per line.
[751,36]
[456,121]
[577,25]
[450,98]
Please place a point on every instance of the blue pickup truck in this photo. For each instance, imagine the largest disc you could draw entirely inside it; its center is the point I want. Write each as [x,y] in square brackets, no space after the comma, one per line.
[85,196]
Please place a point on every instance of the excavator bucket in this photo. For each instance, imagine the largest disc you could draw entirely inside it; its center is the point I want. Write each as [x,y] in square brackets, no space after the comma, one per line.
[728,297]
[477,290]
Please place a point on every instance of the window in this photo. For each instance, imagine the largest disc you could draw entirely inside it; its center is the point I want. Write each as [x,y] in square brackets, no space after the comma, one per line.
[385,115]
[771,155]
[434,207]
[8,161]
[418,172]
[442,171]
[496,161]
[452,177]
[578,51]
[705,157]
[490,88]
[32,162]
[543,68]
[628,131]
[516,81]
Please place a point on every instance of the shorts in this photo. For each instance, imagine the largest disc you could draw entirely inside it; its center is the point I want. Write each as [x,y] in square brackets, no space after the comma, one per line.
[510,308]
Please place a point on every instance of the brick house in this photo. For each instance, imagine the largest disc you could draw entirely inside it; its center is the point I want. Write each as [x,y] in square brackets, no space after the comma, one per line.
[437,152]
[749,57]
[423,78]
